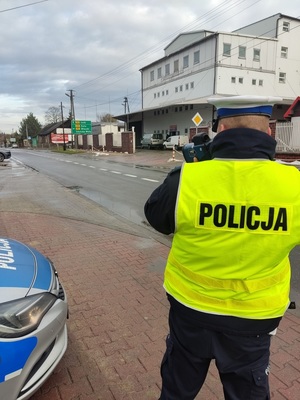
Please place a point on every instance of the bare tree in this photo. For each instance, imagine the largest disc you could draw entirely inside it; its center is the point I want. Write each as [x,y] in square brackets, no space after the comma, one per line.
[106,117]
[52,115]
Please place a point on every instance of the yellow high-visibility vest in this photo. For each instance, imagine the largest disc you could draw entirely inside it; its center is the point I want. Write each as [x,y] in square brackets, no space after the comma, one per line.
[236,222]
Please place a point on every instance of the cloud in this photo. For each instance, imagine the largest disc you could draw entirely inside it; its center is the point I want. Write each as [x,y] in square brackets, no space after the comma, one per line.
[97,47]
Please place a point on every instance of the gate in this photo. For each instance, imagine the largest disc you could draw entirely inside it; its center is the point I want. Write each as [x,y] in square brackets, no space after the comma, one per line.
[287,135]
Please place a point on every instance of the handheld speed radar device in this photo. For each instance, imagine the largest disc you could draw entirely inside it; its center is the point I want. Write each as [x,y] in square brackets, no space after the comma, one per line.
[199,148]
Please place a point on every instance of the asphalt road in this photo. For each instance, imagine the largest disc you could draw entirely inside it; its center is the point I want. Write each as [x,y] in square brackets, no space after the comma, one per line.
[121,188]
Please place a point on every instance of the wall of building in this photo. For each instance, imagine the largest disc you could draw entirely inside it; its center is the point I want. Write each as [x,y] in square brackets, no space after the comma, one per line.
[181,116]
[188,83]
[184,40]
[289,65]
[265,27]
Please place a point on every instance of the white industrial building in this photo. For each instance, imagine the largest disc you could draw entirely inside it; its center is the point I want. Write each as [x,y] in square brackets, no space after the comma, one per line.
[262,58]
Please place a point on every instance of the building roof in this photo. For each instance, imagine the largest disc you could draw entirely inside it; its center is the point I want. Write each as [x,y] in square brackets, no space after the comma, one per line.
[291,111]
[50,128]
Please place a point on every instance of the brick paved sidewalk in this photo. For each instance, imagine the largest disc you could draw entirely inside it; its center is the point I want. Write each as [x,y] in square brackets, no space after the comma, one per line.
[113,275]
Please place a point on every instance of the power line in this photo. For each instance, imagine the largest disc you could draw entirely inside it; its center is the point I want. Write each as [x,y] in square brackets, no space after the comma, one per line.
[25,5]
[158,46]
[128,63]
[210,15]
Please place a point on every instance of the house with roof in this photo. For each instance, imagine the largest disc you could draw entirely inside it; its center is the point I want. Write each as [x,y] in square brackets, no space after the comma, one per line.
[55,133]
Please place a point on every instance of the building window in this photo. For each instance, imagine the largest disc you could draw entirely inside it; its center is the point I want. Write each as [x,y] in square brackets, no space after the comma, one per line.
[176,109]
[233,79]
[158,94]
[167,112]
[180,88]
[185,61]
[253,81]
[241,80]
[192,85]
[197,57]
[186,86]
[186,108]
[180,108]
[167,69]
[155,95]
[159,73]
[167,92]
[286,26]
[176,65]
[191,106]
[256,54]
[282,77]
[163,93]
[260,82]
[226,49]
[152,76]
[242,52]
[284,52]
[176,89]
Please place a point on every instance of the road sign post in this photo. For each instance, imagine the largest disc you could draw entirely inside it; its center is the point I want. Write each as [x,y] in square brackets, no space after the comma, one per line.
[81,127]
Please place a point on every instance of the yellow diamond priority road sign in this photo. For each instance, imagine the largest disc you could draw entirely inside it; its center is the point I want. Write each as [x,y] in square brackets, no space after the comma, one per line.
[197,119]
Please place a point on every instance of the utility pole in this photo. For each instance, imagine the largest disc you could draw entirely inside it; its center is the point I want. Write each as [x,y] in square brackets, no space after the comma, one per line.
[63,124]
[126,111]
[72,110]
[27,135]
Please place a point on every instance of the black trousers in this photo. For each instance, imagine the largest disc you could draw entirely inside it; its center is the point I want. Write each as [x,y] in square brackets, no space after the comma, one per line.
[242,361]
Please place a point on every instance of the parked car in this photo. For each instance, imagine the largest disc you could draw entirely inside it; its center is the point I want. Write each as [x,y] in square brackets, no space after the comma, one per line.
[14,146]
[177,141]
[152,140]
[33,314]
[4,154]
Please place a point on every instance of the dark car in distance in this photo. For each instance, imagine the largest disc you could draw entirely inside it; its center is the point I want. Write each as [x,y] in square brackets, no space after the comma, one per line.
[4,154]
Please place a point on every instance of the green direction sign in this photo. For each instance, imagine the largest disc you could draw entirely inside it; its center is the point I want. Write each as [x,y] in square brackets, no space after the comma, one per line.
[81,127]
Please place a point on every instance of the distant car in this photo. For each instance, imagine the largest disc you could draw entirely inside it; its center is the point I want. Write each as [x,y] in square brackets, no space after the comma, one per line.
[33,314]
[14,146]
[4,154]
[152,141]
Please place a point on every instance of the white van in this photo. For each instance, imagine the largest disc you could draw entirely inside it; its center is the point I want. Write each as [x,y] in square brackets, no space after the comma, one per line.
[152,140]
[177,142]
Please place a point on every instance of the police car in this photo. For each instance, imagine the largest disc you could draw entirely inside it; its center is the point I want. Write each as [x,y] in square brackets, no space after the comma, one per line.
[33,314]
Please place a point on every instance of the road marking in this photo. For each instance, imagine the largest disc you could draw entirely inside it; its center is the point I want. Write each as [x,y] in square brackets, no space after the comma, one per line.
[149,180]
[107,170]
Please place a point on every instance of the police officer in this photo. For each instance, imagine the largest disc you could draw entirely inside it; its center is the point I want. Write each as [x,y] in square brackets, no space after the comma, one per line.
[235,218]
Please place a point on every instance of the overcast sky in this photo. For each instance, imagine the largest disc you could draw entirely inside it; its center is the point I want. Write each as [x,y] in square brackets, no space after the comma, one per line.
[96,48]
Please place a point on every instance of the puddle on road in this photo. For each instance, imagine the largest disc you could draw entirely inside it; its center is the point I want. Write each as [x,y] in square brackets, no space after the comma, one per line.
[116,207]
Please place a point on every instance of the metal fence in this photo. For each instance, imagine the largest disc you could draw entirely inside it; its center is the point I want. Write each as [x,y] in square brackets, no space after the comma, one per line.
[287,136]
